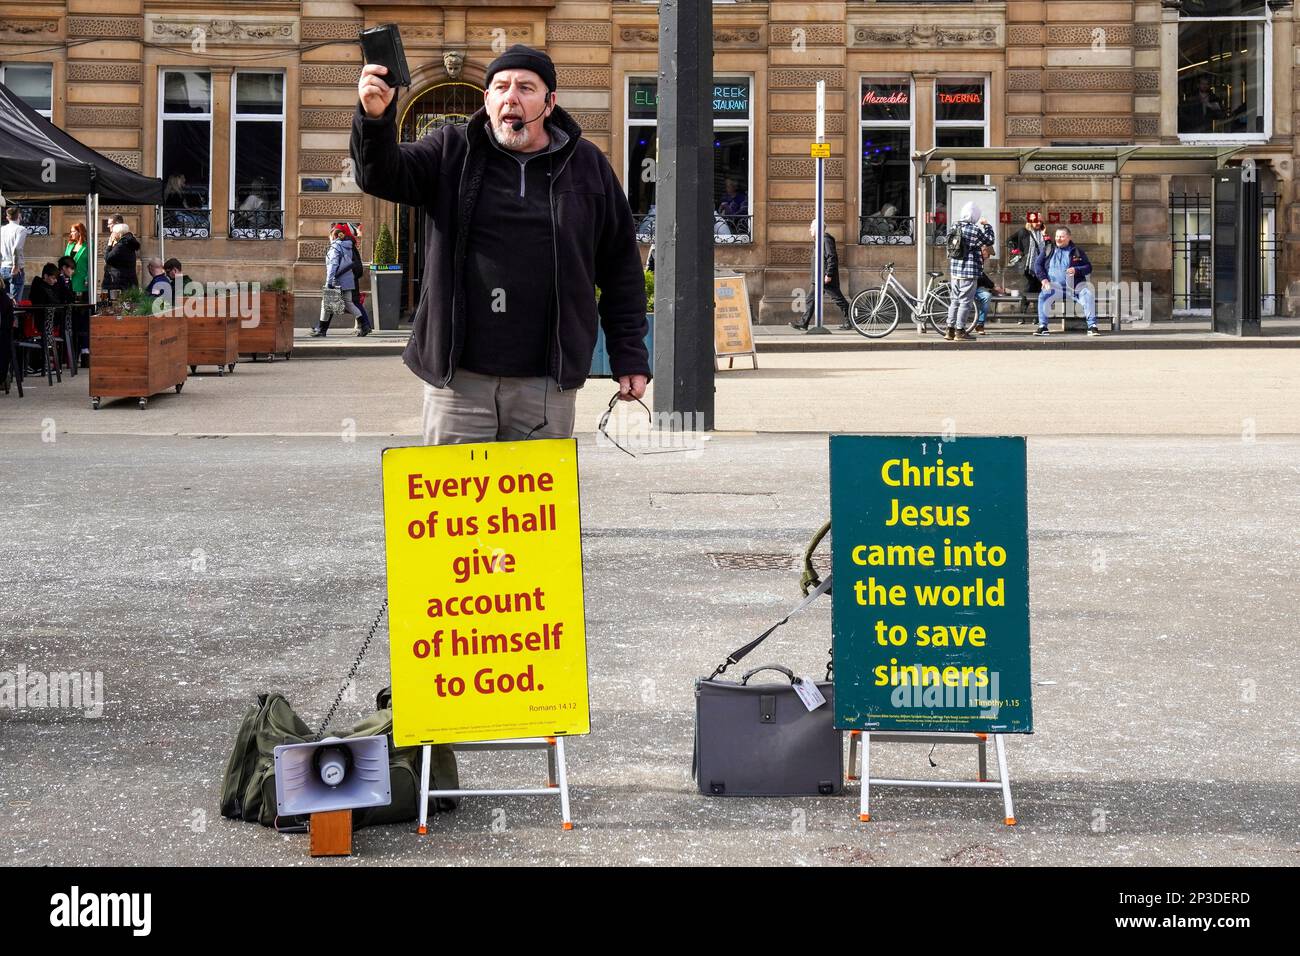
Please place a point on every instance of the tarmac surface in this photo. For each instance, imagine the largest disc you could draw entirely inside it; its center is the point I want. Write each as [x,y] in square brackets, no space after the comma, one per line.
[228,541]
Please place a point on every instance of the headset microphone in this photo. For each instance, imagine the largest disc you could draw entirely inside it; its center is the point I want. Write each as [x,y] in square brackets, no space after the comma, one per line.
[519,124]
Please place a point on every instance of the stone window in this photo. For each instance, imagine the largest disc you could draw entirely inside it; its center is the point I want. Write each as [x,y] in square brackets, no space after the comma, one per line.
[33,83]
[1224,62]
[185,153]
[733,152]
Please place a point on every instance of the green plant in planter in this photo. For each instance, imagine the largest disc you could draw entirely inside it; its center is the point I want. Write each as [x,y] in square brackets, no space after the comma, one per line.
[135,301]
[385,252]
[278,284]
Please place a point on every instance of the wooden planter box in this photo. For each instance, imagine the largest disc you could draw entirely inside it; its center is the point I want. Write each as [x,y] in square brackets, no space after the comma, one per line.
[213,335]
[273,334]
[136,356]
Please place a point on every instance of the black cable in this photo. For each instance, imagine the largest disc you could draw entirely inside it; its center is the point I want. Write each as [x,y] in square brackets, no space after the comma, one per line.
[237,57]
[270,55]
[53,49]
[546,394]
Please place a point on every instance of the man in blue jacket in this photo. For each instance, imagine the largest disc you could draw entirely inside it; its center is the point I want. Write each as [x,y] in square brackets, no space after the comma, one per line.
[1063,269]
[526,219]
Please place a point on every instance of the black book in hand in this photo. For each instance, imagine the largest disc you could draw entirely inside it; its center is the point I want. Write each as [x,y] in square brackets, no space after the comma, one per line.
[382,46]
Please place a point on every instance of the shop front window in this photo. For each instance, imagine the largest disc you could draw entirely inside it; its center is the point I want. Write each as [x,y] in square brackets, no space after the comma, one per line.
[1223,69]
[185,153]
[960,120]
[733,217]
[256,161]
[885,198]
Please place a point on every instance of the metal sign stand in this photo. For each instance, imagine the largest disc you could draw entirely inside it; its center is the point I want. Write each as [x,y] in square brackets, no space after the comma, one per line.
[981,783]
[818,326]
[557,775]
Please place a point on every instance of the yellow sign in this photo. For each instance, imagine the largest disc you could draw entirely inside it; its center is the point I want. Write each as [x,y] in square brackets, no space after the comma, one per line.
[820,150]
[485,607]
[733,332]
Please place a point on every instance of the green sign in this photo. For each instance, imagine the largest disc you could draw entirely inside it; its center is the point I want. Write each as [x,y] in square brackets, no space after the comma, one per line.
[730,98]
[930,552]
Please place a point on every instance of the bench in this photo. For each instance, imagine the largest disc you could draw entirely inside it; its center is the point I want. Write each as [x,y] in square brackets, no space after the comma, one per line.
[1058,311]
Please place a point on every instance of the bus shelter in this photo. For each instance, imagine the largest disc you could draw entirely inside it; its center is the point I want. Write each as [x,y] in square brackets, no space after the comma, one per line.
[1056,164]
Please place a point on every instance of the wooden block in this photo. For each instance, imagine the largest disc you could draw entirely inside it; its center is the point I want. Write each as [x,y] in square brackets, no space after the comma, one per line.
[213,335]
[331,833]
[136,355]
[274,329]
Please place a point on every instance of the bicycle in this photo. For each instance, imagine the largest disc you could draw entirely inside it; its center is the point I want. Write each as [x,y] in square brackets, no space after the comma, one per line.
[875,312]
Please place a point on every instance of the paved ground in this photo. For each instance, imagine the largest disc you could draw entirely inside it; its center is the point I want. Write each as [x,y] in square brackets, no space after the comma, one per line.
[1164,547]
[1003,334]
[1227,393]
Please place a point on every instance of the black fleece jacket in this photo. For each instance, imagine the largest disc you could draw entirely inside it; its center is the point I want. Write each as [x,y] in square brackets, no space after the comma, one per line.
[594,243]
[119,263]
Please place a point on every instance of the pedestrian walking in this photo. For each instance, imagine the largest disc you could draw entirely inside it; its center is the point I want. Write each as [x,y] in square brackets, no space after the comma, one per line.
[364,325]
[830,279]
[338,275]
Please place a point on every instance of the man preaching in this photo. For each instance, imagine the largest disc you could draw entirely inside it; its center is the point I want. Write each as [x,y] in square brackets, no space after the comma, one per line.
[526,219]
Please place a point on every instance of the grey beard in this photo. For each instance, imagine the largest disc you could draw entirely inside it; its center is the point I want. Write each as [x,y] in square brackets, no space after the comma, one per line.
[507,137]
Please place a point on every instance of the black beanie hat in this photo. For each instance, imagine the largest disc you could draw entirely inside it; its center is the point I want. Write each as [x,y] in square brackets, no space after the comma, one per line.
[520,57]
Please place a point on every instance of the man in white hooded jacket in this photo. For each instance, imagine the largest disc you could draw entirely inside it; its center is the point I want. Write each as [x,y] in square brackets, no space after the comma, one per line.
[965,272]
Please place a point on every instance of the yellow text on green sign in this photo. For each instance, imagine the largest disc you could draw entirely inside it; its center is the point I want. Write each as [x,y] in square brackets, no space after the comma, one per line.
[486,625]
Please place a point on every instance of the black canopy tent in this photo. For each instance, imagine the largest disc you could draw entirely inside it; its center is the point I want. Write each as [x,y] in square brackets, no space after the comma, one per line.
[41,163]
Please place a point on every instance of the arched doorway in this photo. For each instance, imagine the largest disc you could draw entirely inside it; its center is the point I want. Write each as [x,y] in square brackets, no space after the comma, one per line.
[444,103]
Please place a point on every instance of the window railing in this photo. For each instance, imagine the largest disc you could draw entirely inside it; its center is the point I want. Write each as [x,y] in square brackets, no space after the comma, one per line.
[727,230]
[180,223]
[886,230]
[36,220]
[257,224]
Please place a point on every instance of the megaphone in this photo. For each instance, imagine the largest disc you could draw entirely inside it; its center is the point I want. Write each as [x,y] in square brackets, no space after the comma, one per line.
[332,774]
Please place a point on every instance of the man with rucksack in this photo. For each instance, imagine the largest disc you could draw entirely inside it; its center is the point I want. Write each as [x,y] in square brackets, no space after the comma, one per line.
[966,240]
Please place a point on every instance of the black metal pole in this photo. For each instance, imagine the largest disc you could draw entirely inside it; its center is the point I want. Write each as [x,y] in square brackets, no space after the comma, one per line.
[683,358]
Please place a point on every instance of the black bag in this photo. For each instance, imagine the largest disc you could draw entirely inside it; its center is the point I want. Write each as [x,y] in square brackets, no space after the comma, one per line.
[759,740]
[956,243]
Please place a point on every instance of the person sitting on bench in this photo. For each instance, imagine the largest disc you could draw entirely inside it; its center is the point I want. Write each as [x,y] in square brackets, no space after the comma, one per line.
[985,290]
[1063,271]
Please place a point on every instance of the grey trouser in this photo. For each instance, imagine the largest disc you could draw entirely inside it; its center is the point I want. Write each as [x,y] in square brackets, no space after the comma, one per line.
[349,303]
[963,301]
[475,408]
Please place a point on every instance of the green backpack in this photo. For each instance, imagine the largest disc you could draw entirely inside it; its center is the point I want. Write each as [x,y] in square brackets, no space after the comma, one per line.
[248,786]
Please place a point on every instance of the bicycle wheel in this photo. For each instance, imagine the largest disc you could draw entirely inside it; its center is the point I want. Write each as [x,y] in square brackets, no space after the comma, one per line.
[874,313]
[936,308]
